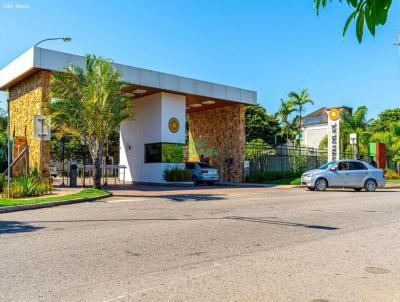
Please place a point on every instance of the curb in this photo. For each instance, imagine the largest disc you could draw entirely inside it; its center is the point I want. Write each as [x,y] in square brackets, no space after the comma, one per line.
[392,187]
[253,185]
[8,209]
[241,184]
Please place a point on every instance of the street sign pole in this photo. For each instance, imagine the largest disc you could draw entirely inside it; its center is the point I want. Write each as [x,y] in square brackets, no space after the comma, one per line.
[41,146]
[8,147]
[353,142]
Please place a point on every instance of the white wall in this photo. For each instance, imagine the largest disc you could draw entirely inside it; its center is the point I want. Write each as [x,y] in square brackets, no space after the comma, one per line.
[312,135]
[150,125]
[173,105]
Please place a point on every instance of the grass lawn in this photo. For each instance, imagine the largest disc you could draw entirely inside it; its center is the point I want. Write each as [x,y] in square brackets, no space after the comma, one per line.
[393,180]
[86,193]
[286,181]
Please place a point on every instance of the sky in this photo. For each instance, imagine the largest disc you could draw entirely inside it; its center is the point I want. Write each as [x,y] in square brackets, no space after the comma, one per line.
[270,46]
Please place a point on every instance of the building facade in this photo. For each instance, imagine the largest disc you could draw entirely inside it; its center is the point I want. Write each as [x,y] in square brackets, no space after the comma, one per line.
[315,126]
[176,119]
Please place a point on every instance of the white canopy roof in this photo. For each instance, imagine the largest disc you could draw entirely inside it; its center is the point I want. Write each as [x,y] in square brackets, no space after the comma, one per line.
[45,59]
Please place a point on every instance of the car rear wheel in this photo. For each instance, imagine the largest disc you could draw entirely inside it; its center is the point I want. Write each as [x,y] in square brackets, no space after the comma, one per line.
[370,185]
[195,180]
[321,184]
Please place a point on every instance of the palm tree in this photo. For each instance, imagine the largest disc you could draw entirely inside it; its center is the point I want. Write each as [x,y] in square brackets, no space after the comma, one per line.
[300,100]
[355,122]
[89,105]
[285,111]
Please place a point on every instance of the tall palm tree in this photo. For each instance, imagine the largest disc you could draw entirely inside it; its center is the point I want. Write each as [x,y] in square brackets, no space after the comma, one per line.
[355,122]
[285,111]
[300,100]
[89,104]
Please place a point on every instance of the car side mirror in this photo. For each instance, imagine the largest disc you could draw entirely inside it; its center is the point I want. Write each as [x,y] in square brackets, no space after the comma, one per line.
[333,169]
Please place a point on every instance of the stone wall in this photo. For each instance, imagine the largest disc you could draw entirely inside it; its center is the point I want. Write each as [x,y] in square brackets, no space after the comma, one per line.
[219,134]
[26,100]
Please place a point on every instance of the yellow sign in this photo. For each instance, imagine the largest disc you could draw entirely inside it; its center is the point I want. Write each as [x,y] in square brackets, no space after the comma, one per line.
[333,114]
[173,125]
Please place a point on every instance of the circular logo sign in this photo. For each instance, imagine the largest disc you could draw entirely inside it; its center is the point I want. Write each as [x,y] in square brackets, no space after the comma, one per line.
[333,114]
[173,125]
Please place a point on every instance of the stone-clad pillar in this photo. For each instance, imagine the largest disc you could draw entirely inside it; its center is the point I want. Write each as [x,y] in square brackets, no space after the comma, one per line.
[219,134]
[26,100]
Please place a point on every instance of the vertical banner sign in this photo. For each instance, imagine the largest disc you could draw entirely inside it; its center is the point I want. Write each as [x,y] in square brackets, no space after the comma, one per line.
[333,134]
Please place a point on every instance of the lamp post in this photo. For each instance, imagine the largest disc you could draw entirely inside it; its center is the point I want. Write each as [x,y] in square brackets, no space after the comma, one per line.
[65,39]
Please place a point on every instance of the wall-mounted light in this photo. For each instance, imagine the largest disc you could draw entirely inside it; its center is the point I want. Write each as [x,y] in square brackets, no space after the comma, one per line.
[139,91]
[195,105]
[208,102]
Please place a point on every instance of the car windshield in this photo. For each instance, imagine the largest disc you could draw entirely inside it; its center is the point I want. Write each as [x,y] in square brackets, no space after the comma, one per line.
[203,165]
[327,165]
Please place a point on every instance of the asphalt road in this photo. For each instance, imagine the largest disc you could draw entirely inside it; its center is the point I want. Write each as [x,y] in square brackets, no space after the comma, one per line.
[244,244]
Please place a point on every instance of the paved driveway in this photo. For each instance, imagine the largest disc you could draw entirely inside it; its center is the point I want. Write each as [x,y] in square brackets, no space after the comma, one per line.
[200,244]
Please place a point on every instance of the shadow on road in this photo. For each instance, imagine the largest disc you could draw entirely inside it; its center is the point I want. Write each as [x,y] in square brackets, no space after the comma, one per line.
[284,223]
[11,227]
[180,197]
[266,220]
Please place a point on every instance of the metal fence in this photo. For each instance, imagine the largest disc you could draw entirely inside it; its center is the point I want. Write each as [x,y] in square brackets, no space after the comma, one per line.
[297,160]
[110,174]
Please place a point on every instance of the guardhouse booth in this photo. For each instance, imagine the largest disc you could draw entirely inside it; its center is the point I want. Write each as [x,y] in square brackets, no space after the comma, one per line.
[176,119]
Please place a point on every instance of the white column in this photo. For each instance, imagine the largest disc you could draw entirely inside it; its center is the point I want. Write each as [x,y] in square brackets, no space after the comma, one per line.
[150,125]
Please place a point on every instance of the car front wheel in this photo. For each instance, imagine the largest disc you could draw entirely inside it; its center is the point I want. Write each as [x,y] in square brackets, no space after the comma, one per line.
[195,180]
[321,184]
[370,185]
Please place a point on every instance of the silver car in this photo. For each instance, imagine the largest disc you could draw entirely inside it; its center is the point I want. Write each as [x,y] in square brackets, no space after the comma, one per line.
[202,172]
[354,174]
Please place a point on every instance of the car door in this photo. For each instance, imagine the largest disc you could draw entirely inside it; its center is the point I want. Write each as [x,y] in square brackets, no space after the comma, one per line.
[340,176]
[357,172]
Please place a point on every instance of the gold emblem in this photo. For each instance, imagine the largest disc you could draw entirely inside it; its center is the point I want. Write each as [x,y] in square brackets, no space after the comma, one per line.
[333,114]
[173,125]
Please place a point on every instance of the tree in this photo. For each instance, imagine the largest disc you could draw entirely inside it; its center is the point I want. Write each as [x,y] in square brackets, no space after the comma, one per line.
[285,112]
[73,148]
[3,120]
[260,124]
[323,144]
[370,12]
[299,101]
[89,104]
[384,119]
[355,122]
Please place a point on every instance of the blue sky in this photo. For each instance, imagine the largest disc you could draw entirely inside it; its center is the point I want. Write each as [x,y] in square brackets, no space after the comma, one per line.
[270,46]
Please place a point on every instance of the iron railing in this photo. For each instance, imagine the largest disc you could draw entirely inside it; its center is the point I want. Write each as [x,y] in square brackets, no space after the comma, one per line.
[300,159]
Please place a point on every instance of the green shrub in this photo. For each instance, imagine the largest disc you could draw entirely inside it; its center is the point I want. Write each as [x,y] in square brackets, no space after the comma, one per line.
[27,186]
[177,174]
[390,174]
[272,175]
[3,180]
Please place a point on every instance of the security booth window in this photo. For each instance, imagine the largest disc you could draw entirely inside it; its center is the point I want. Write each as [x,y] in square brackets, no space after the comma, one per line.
[163,153]
[153,153]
